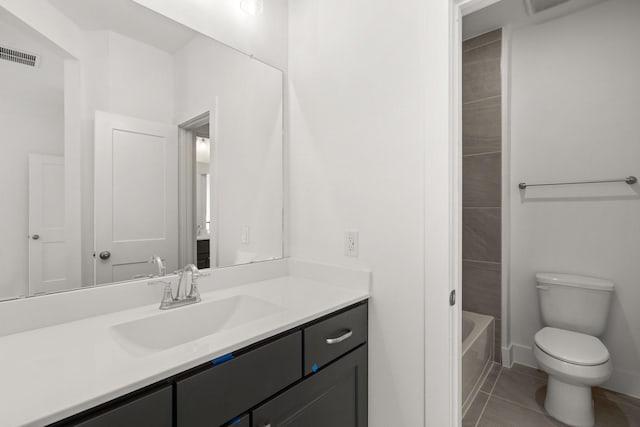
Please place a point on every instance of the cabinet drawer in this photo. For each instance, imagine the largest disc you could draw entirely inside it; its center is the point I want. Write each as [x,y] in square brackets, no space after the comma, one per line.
[216,395]
[153,409]
[335,397]
[333,337]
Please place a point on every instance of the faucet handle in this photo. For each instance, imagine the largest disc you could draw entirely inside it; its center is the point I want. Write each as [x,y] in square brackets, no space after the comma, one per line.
[167,296]
[194,292]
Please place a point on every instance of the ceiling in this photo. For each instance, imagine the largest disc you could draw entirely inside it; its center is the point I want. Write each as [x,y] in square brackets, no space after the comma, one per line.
[515,13]
[127,18]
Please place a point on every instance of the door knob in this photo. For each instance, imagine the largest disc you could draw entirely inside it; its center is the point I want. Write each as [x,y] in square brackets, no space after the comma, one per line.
[105,255]
[35,236]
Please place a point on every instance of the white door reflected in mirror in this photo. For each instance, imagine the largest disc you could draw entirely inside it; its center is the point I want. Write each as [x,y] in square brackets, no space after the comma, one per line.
[136,187]
[49,269]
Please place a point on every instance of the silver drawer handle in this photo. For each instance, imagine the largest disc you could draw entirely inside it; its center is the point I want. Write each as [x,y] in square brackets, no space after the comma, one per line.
[341,338]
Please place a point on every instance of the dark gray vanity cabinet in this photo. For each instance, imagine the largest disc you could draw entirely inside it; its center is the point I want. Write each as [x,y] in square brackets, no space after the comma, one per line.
[314,375]
[334,397]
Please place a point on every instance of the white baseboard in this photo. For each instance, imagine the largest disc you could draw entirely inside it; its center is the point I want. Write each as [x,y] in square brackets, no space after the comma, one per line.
[523,354]
[625,382]
[507,356]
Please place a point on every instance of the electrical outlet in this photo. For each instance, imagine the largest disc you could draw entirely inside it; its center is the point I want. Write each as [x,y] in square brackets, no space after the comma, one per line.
[351,244]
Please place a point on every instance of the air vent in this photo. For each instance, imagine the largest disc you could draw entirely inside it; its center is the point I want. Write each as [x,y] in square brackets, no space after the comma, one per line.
[537,6]
[19,56]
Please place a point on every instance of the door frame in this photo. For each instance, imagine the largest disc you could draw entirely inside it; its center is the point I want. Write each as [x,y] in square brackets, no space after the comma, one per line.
[197,120]
[443,218]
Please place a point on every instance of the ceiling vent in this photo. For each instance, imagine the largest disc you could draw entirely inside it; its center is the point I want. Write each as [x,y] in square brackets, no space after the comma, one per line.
[537,6]
[19,56]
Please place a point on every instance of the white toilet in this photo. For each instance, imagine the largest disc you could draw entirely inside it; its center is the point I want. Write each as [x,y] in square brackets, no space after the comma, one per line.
[574,311]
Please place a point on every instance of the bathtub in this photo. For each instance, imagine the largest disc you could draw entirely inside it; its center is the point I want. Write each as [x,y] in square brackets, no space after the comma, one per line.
[477,354]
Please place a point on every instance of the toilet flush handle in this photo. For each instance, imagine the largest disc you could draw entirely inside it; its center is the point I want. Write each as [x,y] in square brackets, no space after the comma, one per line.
[542,287]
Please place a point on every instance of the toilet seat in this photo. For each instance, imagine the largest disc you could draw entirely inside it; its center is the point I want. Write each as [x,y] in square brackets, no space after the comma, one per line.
[572,347]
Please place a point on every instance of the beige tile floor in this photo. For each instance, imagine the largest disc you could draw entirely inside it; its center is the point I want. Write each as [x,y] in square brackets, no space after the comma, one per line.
[515,397]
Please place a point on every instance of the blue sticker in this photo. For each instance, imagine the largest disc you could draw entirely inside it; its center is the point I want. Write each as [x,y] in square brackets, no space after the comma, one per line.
[314,368]
[222,358]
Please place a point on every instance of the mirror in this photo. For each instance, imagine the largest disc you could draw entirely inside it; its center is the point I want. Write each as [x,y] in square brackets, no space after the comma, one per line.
[139,138]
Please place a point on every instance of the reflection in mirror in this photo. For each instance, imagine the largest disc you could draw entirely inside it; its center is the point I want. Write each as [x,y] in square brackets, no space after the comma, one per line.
[150,140]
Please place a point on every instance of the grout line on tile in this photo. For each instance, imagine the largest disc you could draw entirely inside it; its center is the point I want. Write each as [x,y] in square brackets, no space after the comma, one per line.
[482,262]
[520,405]
[480,45]
[496,381]
[481,154]
[481,207]
[490,395]
[475,101]
[528,374]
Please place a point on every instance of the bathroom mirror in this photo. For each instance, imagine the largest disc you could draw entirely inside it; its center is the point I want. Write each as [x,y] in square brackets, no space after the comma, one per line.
[128,136]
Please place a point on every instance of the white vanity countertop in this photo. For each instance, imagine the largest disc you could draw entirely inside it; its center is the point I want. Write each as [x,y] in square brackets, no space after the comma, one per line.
[51,373]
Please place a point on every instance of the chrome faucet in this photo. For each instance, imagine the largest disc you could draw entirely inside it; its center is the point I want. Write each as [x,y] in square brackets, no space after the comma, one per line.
[182,289]
[182,297]
[159,262]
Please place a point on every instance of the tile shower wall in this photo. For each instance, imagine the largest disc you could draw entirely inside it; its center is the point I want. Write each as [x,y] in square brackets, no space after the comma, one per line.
[481,199]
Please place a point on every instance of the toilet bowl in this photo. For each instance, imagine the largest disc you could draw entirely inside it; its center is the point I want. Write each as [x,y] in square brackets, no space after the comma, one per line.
[575,362]
[574,310]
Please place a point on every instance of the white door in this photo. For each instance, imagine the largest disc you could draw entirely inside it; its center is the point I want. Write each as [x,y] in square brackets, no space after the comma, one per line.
[47,247]
[136,196]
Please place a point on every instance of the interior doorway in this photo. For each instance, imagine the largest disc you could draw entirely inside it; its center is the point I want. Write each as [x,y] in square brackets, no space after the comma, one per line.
[197,222]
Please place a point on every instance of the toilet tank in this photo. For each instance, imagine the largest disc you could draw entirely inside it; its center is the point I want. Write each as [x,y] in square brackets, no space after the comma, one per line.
[575,303]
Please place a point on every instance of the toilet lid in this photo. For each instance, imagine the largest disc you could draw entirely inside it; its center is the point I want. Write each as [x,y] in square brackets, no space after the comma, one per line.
[572,347]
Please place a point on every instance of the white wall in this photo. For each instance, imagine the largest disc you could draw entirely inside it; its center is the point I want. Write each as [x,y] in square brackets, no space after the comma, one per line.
[246,96]
[575,115]
[358,80]
[32,121]
[264,35]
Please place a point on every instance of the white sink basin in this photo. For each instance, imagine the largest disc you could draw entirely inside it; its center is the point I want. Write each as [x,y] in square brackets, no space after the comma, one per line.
[185,324]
